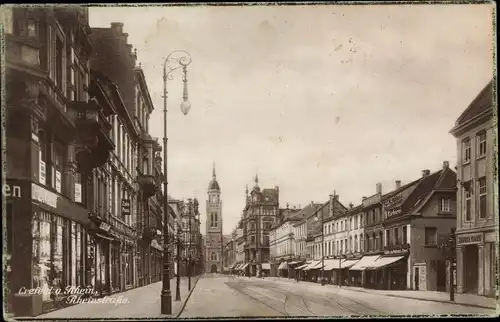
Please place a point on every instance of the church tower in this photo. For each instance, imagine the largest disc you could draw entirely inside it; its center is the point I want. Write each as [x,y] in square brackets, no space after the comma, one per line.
[213,242]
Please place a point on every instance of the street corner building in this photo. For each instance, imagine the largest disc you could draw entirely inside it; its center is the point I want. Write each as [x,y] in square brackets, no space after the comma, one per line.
[475,131]
[81,167]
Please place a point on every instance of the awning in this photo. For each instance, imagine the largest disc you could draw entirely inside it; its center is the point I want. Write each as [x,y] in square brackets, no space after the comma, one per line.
[348,263]
[302,266]
[384,261]
[364,263]
[104,236]
[331,264]
[266,266]
[233,266]
[294,262]
[243,266]
[283,265]
[313,265]
[237,266]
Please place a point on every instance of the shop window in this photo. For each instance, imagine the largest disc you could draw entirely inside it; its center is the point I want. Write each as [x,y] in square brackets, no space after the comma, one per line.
[482,197]
[430,236]
[466,150]
[444,205]
[481,144]
[129,266]
[49,251]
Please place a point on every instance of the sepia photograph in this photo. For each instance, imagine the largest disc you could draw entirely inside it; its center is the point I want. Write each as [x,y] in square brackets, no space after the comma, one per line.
[249,160]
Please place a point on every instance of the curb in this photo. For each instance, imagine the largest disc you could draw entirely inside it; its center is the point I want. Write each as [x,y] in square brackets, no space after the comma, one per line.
[187,298]
[419,298]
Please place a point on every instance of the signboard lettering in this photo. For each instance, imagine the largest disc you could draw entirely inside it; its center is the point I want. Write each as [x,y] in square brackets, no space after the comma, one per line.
[44,196]
[393,200]
[58,181]
[470,239]
[393,212]
[104,226]
[125,207]
[78,192]
[11,191]
[41,172]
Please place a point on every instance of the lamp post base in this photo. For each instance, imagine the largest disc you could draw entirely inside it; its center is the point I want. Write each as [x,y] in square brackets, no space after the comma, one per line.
[166,302]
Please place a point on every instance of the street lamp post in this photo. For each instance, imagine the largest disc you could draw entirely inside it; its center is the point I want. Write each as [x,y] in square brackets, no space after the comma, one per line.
[189,245]
[183,61]
[178,275]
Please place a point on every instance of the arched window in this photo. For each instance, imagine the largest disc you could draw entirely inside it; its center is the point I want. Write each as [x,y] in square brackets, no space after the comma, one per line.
[213,256]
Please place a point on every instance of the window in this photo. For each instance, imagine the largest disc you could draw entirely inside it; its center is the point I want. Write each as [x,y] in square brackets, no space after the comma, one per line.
[387,237]
[355,243]
[396,236]
[355,222]
[430,236]
[266,240]
[59,63]
[482,197]
[444,205]
[361,245]
[341,246]
[481,144]
[252,240]
[405,232]
[466,150]
[468,201]
[350,244]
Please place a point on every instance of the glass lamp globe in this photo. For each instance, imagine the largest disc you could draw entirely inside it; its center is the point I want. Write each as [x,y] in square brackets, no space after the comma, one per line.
[185,107]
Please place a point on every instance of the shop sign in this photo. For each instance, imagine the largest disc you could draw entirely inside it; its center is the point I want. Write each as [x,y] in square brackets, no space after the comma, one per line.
[470,239]
[41,171]
[78,192]
[125,207]
[104,226]
[11,191]
[393,212]
[393,200]
[44,196]
[58,181]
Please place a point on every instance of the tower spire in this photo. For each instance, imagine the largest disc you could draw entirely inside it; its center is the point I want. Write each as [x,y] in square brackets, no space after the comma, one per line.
[256,180]
[213,170]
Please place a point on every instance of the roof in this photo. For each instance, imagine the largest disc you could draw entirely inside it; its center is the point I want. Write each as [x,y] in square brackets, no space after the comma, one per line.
[213,185]
[441,180]
[482,103]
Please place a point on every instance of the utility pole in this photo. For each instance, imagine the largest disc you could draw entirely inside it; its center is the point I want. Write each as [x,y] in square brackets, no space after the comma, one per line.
[452,256]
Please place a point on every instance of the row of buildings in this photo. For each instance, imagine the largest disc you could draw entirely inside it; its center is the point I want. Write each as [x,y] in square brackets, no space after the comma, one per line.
[404,238]
[83,196]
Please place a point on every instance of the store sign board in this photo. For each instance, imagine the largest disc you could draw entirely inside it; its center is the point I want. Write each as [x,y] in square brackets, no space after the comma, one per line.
[125,207]
[44,196]
[104,226]
[470,239]
[11,191]
[41,172]
[78,192]
[58,181]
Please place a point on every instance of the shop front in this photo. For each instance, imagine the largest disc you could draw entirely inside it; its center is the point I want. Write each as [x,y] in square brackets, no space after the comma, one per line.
[368,278]
[476,262]
[48,231]
[283,269]
[157,260]
[390,272]
[292,272]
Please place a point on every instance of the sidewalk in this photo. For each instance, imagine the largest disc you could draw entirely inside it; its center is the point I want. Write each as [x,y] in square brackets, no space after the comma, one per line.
[442,297]
[143,302]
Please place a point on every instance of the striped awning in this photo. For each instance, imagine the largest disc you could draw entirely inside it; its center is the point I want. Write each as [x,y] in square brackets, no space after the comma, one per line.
[303,266]
[243,266]
[283,265]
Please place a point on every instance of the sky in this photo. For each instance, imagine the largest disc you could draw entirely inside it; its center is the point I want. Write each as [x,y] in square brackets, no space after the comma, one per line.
[313,99]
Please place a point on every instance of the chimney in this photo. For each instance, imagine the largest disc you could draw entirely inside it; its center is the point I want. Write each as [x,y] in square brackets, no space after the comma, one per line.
[336,197]
[378,188]
[363,198]
[398,184]
[426,172]
[351,205]
[124,37]
[117,27]
[446,164]
[312,203]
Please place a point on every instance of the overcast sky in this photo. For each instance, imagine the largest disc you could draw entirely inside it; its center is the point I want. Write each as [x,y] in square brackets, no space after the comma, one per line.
[312,98]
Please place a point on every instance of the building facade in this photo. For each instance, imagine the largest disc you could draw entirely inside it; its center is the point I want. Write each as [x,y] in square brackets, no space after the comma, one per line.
[191,238]
[260,214]
[214,239]
[475,131]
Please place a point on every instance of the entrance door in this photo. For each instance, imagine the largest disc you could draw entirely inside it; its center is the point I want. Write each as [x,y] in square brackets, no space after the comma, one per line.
[213,268]
[471,268]
[441,276]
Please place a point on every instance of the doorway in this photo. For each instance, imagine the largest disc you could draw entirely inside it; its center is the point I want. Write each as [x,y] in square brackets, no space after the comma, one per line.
[471,262]
[441,276]
[213,268]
